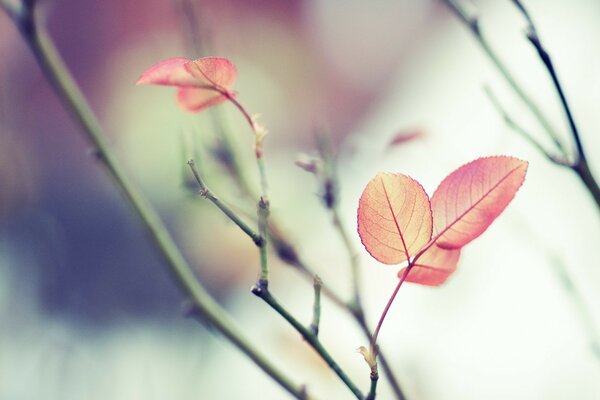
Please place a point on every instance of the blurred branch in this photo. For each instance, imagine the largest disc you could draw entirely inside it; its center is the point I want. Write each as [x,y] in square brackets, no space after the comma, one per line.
[582,309]
[330,193]
[11,9]
[559,268]
[511,123]
[70,95]
[311,338]
[314,326]
[282,244]
[325,172]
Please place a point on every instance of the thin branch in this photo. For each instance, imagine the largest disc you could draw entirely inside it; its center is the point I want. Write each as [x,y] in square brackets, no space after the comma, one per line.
[511,123]
[70,95]
[310,337]
[209,194]
[580,164]
[533,37]
[314,326]
[373,390]
[324,170]
[263,215]
[473,24]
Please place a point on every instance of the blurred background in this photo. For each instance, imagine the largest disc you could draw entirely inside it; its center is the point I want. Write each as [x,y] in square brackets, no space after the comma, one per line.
[87,309]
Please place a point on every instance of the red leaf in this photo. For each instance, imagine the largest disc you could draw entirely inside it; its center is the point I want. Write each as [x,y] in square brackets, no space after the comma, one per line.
[433,267]
[470,198]
[394,218]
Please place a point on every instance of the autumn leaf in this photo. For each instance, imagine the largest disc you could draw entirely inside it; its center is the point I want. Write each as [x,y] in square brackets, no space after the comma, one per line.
[433,267]
[394,218]
[201,83]
[470,198]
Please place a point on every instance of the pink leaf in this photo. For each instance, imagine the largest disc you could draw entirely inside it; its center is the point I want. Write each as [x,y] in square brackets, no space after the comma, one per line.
[394,218]
[405,136]
[202,83]
[170,72]
[213,72]
[196,99]
[434,267]
[470,198]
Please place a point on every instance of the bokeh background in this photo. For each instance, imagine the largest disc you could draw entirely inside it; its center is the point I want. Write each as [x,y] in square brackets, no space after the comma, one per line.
[87,309]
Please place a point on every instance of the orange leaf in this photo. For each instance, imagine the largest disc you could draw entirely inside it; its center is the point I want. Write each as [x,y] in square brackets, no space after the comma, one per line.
[470,198]
[394,218]
[433,267]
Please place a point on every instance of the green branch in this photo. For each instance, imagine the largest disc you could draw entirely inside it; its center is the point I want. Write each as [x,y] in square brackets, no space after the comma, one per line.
[67,90]
[314,326]
[312,339]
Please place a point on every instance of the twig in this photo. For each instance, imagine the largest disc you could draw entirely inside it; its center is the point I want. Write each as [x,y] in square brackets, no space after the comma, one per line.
[263,215]
[511,123]
[373,390]
[311,339]
[70,95]
[331,199]
[314,326]
[209,194]
[281,243]
[580,165]
[473,24]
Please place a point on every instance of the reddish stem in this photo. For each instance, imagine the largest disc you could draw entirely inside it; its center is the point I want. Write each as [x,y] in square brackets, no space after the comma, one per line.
[387,307]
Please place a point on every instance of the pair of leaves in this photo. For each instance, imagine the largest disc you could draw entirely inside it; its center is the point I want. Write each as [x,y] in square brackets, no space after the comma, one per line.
[397,222]
[200,83]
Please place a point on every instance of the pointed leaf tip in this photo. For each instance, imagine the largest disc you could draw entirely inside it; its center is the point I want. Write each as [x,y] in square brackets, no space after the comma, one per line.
[394,217]
[171,72]
[470,198]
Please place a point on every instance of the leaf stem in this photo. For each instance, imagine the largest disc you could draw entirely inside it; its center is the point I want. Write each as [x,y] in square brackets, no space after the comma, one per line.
[331,199]
[70,95]
[387,308]
[312,339]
